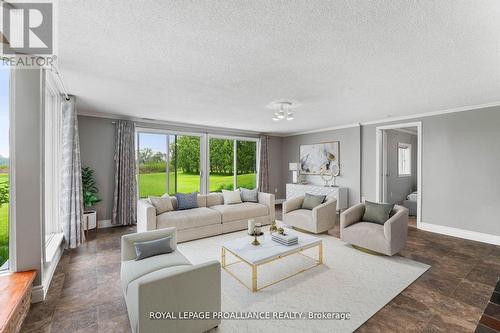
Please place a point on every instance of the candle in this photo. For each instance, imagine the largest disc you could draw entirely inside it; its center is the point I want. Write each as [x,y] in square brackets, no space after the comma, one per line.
[251,226]
[257,228]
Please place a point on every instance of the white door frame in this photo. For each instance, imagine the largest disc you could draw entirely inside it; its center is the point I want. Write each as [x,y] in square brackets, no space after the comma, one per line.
[380,174]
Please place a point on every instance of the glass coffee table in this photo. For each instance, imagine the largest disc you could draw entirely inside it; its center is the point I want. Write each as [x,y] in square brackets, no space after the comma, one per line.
[266,252]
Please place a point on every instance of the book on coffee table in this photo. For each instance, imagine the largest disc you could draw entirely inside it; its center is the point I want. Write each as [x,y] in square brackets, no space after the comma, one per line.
[285,239]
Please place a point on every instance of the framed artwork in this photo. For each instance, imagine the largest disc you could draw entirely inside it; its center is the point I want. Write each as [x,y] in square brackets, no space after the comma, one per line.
[320,157]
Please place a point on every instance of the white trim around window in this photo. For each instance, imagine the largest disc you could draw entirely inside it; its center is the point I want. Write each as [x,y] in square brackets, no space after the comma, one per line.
[404,159]
[52,108]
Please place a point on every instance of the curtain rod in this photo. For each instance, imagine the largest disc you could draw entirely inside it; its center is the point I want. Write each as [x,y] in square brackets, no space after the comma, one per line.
[55,70]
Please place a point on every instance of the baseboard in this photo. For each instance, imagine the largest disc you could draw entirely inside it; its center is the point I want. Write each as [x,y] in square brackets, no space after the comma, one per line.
[37,294]
[104,224]
[461,233]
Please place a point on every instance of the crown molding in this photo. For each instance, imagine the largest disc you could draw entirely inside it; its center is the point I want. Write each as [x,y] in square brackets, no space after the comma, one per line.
[318,130]
[163,124]
[432,113]
[395,119]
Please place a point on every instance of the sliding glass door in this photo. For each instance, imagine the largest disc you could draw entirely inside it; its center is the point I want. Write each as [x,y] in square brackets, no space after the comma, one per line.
[233,164]
[184,164]
[221,164]
[152,164]
[177,156]
[246,164]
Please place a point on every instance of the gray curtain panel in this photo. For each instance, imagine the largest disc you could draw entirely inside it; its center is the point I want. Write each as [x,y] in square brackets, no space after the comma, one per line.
[264,165]
[71,178]
[125,197]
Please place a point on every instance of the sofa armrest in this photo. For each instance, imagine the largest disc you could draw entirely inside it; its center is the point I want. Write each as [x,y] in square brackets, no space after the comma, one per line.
[195,288]
[351,215]
[293,204]
[325,212]
[397,225]
[146,216]
[128,248]
[268,200]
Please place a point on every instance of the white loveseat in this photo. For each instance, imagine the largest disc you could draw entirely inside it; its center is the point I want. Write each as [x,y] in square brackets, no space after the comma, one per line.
[167,283]
[211,217]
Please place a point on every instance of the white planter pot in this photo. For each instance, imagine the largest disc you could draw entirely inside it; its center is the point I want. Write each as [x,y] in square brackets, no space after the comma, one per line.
[89,220]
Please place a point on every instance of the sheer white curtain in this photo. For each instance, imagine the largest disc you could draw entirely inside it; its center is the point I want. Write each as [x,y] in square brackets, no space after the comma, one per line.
[71,179]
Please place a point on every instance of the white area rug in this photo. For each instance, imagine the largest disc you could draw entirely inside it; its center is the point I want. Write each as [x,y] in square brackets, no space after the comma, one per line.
[348,281]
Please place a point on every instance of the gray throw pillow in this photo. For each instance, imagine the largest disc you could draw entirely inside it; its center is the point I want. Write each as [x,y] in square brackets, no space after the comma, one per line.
[249,195]
[187,201]
[311,201]
[152,248]
[377,212]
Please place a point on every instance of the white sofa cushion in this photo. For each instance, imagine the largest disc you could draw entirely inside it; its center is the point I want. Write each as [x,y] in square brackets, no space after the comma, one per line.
[162,204]
[189,218]
[214,199]
[231,197]
[132,269]
[241,211]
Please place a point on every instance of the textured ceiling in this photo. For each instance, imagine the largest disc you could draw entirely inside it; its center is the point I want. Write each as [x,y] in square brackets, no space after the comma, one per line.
[219,63]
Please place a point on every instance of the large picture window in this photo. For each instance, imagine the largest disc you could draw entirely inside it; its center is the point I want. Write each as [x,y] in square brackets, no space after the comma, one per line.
[184,163]
[233,164]
[177,156]
[4,166]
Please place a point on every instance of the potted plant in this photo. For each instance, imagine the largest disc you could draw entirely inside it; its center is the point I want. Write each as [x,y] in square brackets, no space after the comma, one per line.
[90,198]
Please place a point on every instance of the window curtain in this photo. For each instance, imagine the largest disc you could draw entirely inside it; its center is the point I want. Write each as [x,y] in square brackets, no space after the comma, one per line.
[264,165]
[71,178]
[125,197]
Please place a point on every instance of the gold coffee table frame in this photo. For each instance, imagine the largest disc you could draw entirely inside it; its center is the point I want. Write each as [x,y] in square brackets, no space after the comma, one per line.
[254,288]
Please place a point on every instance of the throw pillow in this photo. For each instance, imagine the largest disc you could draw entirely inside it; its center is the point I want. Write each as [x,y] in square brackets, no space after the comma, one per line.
[187,201]
[231,197]
[311,201]
[249,195]
[377,212]
[152,248]
[162,204]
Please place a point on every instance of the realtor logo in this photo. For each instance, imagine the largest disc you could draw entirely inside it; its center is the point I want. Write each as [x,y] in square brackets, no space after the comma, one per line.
[27,28]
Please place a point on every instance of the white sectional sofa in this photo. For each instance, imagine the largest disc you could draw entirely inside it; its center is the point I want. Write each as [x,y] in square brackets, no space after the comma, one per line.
[167,283]
[212,217]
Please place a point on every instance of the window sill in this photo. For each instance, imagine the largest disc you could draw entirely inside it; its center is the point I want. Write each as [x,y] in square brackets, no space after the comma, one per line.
[5,269]
[52,246]
[404,176]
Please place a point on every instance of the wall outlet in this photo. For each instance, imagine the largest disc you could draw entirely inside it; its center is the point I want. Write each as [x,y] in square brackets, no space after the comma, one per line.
[275,190]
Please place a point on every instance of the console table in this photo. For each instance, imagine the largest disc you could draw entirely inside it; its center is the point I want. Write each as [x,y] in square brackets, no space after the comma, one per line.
[341,193]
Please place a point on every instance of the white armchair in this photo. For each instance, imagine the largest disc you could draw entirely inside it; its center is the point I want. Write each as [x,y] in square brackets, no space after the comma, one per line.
[320,219]
[389,238]
[167,283]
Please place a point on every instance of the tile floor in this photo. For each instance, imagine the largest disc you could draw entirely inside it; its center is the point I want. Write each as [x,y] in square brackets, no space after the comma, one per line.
[85,293]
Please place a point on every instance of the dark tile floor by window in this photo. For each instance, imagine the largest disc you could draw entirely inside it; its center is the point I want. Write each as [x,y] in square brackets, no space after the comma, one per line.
[85,293]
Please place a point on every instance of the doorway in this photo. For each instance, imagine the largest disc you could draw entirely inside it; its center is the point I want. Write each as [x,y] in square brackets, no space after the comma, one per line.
[399,167]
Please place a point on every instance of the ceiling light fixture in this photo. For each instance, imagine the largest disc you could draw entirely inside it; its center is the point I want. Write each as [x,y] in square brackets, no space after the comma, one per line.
[282,109]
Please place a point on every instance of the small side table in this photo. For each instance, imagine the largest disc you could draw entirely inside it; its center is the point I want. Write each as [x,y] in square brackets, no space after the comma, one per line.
[89,222]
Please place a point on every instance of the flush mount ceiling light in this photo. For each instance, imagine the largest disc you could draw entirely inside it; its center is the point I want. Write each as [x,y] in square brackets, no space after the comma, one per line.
[282,109]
